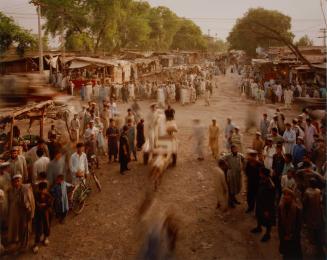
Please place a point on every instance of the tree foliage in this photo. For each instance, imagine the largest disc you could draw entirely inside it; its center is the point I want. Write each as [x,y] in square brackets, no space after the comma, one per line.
[108,25]
[256,28]
[304,41]
[216,45]
[189,37]
[12,34]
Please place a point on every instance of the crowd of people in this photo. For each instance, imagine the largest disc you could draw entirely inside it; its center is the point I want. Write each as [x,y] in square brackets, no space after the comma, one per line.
[284,169]
[182,85]
[278,91]
[284,177]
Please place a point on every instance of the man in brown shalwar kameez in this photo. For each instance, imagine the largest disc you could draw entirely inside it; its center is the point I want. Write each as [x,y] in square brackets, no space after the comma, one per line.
[214,138]
[20,212]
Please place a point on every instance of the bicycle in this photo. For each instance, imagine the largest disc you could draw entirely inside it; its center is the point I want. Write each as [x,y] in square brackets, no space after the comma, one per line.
[93,164]
[79,195]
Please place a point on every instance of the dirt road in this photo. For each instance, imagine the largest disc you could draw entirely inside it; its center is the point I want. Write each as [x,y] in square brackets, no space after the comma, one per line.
[108,227]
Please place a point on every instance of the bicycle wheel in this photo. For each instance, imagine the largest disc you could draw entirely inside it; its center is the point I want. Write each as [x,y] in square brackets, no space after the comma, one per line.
[78,202]
[97,182]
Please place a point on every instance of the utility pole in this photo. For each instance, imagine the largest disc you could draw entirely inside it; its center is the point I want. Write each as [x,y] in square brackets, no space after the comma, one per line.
[38,7]
[324,32]
[62,43]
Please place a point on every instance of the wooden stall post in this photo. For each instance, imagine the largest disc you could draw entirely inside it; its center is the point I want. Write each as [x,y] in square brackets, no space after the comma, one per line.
[11,132]
[42,123]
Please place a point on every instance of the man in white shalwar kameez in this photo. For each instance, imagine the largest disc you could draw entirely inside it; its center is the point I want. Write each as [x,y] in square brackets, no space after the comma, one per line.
[268,153]
[131,90]
[75,128]
[88,91]
[253,87]
[288,97]
[279,92]
[96,91]
[198,135]
[289,137]
[309,133]
[160,96]
[153,119]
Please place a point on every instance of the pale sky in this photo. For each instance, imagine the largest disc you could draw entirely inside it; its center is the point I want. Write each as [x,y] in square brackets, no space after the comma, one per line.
[218,16]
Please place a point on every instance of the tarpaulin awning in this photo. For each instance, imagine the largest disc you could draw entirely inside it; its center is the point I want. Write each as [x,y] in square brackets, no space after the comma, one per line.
[76,64]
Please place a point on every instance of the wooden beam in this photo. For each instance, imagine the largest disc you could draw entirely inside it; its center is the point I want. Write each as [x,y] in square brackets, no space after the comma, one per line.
[30,108]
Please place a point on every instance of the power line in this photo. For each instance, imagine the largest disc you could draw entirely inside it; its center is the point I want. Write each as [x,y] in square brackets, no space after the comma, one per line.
[191,18]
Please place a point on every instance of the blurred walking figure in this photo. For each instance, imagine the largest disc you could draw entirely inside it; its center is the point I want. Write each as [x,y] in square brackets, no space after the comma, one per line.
[252,172]
[289,226]
[170,113]
[313,216]
[131,139]
[228,132]
[265,205]
[214,138]
[140,138]
[161,238]
[207,96]
[222,188]
[198,135]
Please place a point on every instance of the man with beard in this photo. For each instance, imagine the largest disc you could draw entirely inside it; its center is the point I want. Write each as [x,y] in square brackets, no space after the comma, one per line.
[252,169]
[18,164]
[265,204]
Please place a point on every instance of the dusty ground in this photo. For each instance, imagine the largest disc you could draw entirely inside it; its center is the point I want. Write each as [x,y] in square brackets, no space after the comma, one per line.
[108,227]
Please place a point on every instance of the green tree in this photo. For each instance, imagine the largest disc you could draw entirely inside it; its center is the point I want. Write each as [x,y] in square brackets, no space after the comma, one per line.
[12,34]
[189,37]
[304,41]
[109,25]
[134,28]
[164,25]
[260,27]
[79,42]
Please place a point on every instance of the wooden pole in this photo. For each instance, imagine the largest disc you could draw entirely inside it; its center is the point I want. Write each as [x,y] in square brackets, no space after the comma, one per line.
[40,39]
[11,137]
[42,124]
